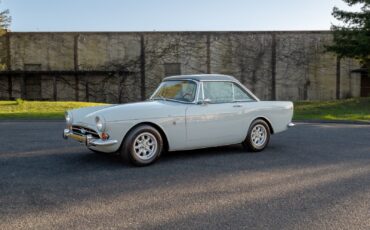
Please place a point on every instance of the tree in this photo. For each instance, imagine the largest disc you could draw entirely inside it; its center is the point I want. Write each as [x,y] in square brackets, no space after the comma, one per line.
[5,20]
[352,38]
[4,24]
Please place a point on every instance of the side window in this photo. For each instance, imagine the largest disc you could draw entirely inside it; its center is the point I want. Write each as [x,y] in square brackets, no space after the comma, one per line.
[218,92]
[240,94]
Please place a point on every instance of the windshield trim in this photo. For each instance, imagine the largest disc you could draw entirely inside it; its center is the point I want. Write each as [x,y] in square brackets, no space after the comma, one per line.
[174,100]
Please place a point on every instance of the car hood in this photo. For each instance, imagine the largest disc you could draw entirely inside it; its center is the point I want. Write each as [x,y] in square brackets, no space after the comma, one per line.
[131,111]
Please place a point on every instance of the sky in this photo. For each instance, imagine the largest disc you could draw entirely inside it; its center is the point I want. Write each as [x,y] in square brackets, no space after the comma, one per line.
[170,15]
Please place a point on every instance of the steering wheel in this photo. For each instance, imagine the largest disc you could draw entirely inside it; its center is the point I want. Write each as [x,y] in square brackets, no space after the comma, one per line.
[187,96]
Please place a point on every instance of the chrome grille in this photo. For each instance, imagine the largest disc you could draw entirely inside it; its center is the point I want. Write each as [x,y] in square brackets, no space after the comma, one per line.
[83,131]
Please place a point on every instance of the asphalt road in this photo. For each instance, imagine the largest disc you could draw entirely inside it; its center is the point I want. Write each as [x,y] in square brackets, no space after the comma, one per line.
[314,176]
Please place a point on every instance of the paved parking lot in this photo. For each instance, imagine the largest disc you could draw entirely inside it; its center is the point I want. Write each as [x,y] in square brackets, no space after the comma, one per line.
[314,176]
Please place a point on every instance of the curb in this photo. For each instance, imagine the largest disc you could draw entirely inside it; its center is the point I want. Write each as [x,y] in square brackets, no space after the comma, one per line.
[333,122]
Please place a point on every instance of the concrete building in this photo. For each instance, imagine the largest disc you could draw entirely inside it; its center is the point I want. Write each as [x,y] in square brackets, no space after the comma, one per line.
[127,66]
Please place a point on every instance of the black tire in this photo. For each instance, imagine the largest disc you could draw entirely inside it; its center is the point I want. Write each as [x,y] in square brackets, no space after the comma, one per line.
[129,149]
[258,144]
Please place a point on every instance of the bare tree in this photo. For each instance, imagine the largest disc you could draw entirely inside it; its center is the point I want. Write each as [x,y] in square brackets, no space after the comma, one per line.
[5,20]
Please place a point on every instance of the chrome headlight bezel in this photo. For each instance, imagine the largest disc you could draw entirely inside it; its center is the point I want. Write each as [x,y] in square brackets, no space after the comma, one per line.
[68,117]
[100,123]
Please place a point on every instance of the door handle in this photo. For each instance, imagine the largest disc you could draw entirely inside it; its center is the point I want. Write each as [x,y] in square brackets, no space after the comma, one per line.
[237,106]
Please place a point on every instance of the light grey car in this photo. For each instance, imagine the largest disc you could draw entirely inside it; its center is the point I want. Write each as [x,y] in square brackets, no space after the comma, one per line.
[185,112]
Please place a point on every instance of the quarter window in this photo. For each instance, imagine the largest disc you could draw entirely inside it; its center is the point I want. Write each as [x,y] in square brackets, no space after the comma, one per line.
[240,94]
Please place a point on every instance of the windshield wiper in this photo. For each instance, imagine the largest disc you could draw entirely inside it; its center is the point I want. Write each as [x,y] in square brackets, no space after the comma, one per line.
[159,98]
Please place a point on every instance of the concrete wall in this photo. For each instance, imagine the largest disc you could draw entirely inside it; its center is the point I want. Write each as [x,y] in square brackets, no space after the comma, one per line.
[274,65]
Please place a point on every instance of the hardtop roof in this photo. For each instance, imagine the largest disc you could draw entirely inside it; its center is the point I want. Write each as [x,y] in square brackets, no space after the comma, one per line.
[201,77]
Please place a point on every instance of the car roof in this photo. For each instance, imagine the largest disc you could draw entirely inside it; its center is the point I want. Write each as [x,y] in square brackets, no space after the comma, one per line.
[201,77]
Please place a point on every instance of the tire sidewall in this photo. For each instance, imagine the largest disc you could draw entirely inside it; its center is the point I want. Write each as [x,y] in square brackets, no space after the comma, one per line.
[248,141]
[127,152]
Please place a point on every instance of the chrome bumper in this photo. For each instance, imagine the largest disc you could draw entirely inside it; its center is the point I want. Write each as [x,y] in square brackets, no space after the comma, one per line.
[291,124]
[88,140]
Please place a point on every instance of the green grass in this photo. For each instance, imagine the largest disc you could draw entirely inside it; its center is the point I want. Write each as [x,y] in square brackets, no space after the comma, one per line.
[357,109]
[20,109]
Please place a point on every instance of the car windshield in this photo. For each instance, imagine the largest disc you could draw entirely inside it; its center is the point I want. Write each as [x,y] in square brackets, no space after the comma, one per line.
[176,90]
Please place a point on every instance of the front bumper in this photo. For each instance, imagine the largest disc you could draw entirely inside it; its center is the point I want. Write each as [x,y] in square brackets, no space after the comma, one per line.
[88,140]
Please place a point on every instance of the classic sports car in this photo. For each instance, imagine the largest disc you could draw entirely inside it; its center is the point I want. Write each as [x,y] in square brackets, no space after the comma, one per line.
[185,112]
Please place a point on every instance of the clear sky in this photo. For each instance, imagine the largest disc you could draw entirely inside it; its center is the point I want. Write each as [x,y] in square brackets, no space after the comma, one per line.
[170,15]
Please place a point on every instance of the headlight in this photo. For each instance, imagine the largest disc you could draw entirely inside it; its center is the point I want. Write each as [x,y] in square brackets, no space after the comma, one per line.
[100,123]
[68,117]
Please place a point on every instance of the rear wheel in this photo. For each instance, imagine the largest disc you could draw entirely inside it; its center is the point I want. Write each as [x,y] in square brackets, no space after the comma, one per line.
[142,146]
[258,136]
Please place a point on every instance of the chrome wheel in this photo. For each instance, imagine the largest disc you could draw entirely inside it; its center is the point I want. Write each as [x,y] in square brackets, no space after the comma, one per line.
[145,146]
[258,135]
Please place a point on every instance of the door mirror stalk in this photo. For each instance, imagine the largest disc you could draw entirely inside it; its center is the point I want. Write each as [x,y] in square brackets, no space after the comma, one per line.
[205,101]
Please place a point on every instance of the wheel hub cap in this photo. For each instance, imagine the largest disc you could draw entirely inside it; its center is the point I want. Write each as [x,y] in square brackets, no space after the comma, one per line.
[259,134]
[145,146]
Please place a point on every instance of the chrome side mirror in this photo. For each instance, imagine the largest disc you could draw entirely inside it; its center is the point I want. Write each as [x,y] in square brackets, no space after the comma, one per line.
[205,101]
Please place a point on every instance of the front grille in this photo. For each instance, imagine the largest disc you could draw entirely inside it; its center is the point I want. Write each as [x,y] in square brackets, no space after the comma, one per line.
[83,131]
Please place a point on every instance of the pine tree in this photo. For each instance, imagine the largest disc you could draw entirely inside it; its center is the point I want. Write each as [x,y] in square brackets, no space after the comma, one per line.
[352,38]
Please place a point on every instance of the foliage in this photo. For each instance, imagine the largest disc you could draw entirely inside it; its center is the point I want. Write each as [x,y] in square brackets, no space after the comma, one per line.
[5,20]
[19,101]
[38,109]
[352,38]
[357,109]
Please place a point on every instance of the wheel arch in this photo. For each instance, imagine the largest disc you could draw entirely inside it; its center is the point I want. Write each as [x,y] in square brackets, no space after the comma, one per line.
[267,121]
[157,127]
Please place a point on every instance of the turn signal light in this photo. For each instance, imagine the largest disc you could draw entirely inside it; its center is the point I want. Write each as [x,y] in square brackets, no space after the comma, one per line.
[104,136]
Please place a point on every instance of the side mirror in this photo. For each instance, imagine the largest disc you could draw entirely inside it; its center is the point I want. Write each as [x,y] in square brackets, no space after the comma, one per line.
[205,101]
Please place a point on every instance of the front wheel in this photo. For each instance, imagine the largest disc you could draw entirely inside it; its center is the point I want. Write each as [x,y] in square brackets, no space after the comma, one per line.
[142,146]
[258,136]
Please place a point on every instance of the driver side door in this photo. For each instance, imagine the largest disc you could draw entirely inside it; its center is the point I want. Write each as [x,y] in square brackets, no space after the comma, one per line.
[218,122]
